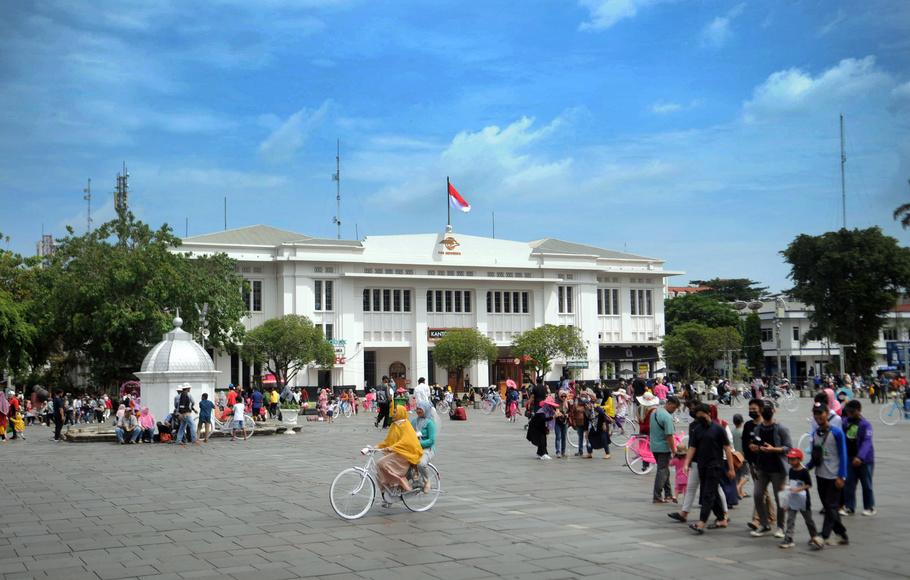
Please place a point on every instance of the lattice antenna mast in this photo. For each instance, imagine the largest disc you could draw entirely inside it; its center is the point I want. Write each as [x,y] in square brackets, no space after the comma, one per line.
[122,194]
[337,177]
[88,197]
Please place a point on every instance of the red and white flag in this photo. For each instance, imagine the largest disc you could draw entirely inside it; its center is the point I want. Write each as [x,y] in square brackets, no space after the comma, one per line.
[456,201]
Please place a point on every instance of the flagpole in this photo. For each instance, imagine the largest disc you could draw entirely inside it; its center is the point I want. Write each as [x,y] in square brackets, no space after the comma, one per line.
[448,205]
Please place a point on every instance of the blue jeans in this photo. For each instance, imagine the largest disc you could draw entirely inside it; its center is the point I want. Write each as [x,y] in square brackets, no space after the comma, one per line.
[186,426]
[561,432]
[863,474]
[581,440]
[122,433]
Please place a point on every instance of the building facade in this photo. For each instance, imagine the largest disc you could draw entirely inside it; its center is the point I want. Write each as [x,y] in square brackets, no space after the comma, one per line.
[385,300]
[785,323]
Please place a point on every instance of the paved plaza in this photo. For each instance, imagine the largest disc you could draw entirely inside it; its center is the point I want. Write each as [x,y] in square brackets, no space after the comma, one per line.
[259,510]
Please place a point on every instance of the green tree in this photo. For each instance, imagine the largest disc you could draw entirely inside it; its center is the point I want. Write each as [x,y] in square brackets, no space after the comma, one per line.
[752,344]
[732,289]
[693,347]
[287,345]
[851,279]
[17,331]
[544,344]
[459,348]
[706,310]
[105,297]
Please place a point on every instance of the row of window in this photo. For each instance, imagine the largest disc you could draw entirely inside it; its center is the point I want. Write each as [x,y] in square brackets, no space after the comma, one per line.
[508,302]
[448,301]
[386,300]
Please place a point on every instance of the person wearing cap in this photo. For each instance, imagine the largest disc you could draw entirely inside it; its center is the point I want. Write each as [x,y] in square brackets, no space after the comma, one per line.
[829,458]
[798,501]
[663,446]
[540,426]
[422,391]
[185,407]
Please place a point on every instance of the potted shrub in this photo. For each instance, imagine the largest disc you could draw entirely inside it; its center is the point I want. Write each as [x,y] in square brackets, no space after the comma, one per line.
[289,411]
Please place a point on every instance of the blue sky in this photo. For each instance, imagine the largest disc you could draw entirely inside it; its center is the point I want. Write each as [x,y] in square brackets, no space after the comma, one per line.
[702,132]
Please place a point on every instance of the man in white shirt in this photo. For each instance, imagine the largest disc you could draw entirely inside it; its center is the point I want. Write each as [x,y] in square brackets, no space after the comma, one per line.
[422,391]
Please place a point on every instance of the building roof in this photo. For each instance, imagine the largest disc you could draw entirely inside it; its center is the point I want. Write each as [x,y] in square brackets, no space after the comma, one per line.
[554,246]
[261,235]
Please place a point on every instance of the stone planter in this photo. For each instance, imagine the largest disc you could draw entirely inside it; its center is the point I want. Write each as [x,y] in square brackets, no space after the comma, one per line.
[289,420]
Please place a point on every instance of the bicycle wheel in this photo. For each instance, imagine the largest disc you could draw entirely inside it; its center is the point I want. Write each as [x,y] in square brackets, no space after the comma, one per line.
[890,414]
[352,493]
[791,403]
[738,401]
[348,410]
[417,501]
[442,407]
[634,461]
[805,445]
[486,406]
[617,434]
[250,425]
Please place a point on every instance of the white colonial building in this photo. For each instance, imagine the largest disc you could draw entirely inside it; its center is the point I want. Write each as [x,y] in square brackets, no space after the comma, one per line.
[785,323]
[383,301]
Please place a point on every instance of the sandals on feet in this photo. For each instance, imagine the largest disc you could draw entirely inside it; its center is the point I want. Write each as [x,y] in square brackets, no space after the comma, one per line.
[696,529]
[717,525]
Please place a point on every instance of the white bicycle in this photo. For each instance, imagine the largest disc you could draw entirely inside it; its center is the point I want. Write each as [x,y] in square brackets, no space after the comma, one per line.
[354,489]
[225,427]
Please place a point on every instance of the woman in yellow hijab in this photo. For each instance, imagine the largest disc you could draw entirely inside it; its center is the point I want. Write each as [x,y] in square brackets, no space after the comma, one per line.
[402,450]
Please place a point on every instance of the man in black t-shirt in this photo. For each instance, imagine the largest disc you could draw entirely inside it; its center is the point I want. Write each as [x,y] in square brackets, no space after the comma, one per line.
[770,442]
[707,447]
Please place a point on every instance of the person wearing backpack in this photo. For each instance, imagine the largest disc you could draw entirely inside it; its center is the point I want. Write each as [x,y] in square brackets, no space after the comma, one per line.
[384,396]
[829,458]
[185,409]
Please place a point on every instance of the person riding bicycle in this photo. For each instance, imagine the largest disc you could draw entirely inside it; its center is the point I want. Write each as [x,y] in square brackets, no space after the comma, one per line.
[493,395]
[402,450]
[426,425]
[723,392]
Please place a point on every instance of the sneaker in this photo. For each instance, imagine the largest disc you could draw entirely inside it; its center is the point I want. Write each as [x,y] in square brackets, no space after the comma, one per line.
[845,512]
[787,543]
[752,525]
[544,457]
[760,532]
[869,512]
[779,533]
[817,542]
[838,540]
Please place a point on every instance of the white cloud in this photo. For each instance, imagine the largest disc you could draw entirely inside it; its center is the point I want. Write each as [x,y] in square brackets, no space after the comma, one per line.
[718,32]
[284,142]
[606,13]
[835,21]
[662,108]
[794,91]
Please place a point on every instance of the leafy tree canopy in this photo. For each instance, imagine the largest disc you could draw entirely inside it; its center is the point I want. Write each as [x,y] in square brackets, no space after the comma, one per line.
[17,332]
[692,347]
[110,294]
[851,279]
[544,344]
[287,345]
[460,348]
[706,310]
[732,289]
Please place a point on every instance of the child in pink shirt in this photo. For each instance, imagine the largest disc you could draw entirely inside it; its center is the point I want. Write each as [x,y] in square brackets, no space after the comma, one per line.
[679,461]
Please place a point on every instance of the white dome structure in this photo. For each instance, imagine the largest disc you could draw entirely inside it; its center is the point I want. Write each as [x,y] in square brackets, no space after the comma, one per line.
[177,359]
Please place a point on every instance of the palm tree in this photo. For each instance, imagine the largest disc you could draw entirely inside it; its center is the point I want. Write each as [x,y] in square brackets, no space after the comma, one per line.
[903,210]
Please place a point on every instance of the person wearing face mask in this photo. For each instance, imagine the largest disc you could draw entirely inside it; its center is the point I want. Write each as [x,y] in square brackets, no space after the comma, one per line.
[711,446]
[770,442]
[751,457]
[694,481]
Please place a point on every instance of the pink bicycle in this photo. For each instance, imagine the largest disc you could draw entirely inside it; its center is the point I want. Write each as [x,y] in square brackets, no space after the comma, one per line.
[639,458]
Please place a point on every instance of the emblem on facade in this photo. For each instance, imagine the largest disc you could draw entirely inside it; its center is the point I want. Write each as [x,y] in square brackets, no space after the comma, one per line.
[450,243]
